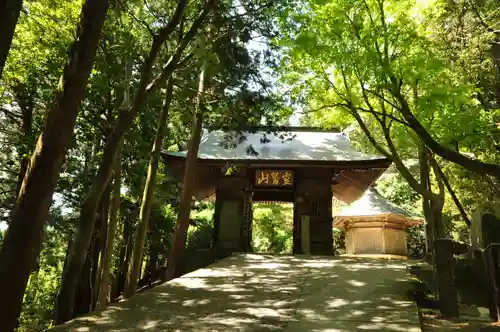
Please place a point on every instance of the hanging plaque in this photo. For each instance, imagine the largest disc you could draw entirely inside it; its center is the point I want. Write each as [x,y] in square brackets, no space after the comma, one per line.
[274,178]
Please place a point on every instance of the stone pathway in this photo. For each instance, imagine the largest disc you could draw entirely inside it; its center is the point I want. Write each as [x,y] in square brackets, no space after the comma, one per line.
[251,292]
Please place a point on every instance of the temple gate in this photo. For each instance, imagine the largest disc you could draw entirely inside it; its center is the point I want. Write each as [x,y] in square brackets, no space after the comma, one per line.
[308,168]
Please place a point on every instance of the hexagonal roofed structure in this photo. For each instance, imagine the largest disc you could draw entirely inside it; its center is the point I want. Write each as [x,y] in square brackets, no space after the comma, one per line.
[375,225]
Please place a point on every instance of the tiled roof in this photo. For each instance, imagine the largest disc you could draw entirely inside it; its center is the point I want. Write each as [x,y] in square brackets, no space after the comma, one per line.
[290,146]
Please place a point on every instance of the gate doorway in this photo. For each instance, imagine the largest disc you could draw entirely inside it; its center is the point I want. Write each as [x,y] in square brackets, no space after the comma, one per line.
[273,219]
[308,194]
[272,227]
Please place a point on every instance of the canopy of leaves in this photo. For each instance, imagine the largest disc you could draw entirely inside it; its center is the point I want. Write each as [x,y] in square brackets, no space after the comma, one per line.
[342,58]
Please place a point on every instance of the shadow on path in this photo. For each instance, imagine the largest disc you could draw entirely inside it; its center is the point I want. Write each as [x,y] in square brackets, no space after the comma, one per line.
[250,292]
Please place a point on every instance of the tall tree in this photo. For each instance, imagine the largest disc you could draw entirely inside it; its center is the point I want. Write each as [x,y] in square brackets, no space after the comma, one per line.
[20,249]
[147,197]
[146,86]
[9,14]
[228,66]
[104,289]
[176,253]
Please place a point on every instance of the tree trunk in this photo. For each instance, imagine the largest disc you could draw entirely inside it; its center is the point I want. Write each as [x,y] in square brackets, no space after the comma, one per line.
[94,251]
[104,290]
[20,248]
[27,105]
[101,241]
[437,203]
[125,253]
[9,14]
[25,161]
[88,210]
[141,267]
[453,195]
[437,215]
[147,197]
[426,202]
[84,290]
[103,298]
[443,251]
[176,254]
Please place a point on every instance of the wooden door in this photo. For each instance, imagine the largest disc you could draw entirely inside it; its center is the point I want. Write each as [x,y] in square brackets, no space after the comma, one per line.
[321,237]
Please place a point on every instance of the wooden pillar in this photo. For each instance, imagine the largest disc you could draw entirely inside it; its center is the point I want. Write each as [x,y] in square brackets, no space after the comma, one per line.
[246,221]
[232,220]
[296,238]
[384,245]
[406,241]
[299,211]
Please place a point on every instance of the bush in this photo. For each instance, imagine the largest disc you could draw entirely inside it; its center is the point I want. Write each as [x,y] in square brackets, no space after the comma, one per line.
[272,228]
[415,242]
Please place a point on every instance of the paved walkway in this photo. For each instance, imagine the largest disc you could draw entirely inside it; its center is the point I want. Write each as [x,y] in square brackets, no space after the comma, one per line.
[269,293]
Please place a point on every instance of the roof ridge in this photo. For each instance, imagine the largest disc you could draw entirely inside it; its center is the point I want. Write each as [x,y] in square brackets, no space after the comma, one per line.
[251,129]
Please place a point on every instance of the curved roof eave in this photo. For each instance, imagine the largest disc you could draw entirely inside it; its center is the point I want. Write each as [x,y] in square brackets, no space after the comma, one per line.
[293,146]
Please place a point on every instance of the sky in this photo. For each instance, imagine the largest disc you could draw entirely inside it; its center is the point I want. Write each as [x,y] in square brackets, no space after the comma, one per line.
[259,44]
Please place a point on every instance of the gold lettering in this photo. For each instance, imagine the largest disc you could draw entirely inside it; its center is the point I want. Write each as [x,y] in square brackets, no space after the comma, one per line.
[287,179]
[276,178]
[263,179]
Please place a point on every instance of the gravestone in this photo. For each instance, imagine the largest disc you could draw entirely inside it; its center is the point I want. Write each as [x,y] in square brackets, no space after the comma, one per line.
[490,228]
[485,229]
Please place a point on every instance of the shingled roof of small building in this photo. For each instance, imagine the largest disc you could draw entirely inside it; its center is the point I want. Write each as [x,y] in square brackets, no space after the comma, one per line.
[373,205]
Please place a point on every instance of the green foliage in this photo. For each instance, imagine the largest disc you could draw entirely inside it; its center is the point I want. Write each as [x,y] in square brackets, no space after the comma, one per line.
[43,33]
[394,187]
[200,234]
[415,242]
[238,96]
[44,283]
[272,229]
[342,58]
[338,241]
[346,55]
[326,54]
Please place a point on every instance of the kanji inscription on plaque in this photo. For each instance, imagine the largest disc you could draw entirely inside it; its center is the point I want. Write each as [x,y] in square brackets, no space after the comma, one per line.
[274,178]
